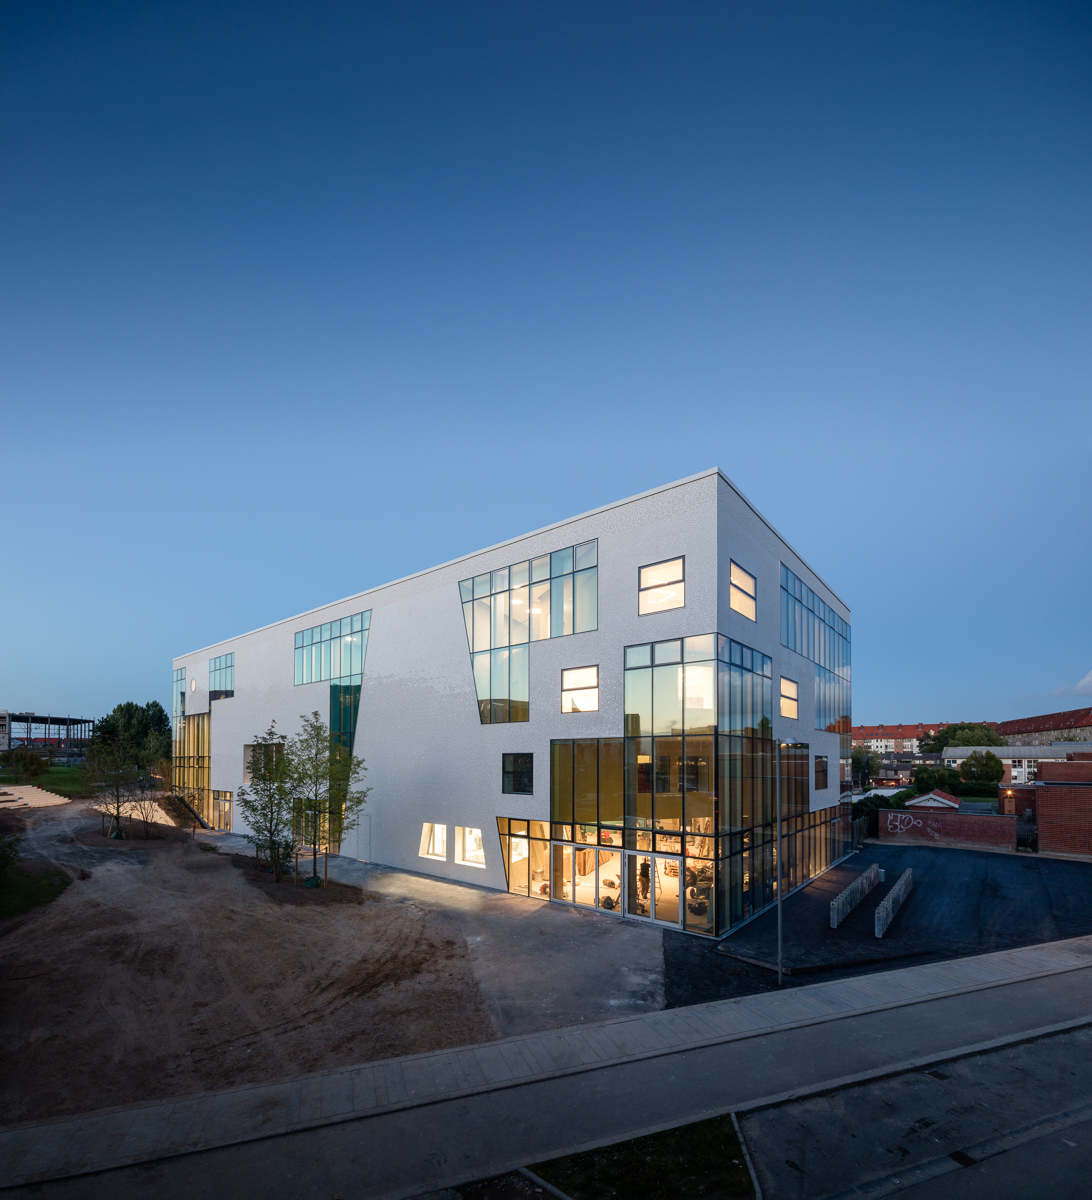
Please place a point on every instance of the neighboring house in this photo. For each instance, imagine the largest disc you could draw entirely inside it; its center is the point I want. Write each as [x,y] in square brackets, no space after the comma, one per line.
[894,739]
[1075,725]
[596,713]
[1020,762]
[936,799]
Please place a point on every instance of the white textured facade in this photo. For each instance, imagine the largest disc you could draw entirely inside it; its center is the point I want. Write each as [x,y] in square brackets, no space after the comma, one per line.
[429,758]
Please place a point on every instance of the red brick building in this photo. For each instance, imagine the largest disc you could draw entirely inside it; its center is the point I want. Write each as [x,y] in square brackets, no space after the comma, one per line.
[1063,805]
[1041,731]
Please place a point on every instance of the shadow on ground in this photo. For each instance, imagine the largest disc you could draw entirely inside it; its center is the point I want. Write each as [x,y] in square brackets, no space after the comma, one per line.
[963,902]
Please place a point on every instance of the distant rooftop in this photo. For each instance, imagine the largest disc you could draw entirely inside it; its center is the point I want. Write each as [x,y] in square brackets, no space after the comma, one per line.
[1075,718]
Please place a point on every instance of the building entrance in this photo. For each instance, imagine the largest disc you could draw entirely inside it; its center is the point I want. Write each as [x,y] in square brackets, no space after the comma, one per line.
[652,887]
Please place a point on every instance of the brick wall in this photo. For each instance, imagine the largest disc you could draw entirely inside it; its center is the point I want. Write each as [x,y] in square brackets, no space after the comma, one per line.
[1071,771]
[948,827]
[1064,817]
[1017,799]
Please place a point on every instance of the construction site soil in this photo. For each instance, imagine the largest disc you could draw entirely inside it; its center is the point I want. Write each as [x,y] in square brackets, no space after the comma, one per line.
[166,971]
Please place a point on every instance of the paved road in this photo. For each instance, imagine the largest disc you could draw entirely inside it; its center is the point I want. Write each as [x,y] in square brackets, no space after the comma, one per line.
[434,1124]
[1030,1102]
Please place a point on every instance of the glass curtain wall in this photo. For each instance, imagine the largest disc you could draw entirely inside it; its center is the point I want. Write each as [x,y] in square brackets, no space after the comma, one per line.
[504,611]
[192,763]
[336,651]
[679,816]
[812,628]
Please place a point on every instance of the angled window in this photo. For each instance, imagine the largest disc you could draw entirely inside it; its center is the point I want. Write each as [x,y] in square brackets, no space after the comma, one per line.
[222,677]
[821,772]
[580,689]
[433,841]
[742,591]
[517,774]
[661,586]
[469,847]
[790,698]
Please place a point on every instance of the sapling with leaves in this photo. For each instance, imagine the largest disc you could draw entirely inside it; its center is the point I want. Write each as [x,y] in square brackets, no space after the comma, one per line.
[326,778]
[110,773]
[267,802]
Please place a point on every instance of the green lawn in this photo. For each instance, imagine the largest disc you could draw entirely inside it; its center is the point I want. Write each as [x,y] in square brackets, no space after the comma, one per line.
[702,1161]
[62,780]
[20,892]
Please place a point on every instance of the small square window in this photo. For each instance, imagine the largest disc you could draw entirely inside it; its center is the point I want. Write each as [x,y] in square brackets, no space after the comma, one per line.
[469,847]
[821,772]
[660,587]
[517,774]
[742,591]
[580,689]
[433,841]
[790,697]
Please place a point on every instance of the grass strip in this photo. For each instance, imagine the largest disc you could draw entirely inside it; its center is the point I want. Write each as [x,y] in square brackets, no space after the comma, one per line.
[21,891]
[61,780]
[701,1161]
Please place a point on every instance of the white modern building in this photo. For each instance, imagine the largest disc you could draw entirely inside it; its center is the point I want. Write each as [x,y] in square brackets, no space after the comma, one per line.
[603,712]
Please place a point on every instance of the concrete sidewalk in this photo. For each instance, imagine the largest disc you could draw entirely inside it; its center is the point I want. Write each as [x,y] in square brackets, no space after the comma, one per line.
[405,1126]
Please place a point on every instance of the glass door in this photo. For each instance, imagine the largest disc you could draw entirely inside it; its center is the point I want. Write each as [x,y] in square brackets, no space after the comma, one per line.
[652,887]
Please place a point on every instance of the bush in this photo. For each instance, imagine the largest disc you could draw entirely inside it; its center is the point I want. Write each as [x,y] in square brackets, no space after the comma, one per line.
[9,851]
[25,763]
[869,806]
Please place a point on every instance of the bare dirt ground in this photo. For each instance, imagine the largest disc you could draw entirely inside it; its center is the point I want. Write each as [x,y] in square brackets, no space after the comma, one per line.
[166,970]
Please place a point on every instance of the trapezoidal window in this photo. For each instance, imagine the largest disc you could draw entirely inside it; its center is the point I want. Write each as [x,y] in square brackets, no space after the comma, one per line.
[742,591]
[469,847]
[661,586]
[433,841]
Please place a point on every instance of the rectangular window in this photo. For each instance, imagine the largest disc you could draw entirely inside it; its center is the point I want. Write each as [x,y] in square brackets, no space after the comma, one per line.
[433,841]
[821,772]
[222,677]
[580,689]
[790,698]
[517,774]
[660,586]
[469,847]
[742,591]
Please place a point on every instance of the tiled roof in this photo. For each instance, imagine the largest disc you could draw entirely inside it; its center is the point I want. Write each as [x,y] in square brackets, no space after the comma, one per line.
[1076,718]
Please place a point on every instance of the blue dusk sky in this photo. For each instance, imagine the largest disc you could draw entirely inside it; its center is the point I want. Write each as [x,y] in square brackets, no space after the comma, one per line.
[296,299]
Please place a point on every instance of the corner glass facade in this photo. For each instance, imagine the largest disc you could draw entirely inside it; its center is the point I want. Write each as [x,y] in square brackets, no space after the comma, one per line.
[553,595]
[676,821]
[190,754]
[813,629]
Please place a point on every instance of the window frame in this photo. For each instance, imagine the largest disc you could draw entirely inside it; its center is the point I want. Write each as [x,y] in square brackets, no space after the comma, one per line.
[509,773]
[816,785]
[734,587]
[460,847]
[428,829]
[573,690]
[681,581]
[792,699]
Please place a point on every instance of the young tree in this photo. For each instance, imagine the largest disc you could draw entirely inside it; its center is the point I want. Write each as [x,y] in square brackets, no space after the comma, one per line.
[866,763]
[110,772]
[267,804]
[326,780]
[979,767]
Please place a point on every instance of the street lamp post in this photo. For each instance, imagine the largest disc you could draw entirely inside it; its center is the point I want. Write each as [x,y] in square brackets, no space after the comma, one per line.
[779,971]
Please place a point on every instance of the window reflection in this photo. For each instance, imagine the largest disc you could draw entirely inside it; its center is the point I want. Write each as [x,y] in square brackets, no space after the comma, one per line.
[551,596]
[660,586]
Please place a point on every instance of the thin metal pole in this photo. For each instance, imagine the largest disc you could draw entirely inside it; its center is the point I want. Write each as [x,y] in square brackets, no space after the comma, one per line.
[779,968]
